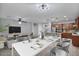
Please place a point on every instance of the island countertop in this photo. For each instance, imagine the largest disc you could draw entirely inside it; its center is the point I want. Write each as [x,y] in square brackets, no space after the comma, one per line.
[30,49]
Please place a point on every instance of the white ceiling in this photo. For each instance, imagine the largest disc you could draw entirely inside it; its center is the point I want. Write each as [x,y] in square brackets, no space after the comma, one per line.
[31,12]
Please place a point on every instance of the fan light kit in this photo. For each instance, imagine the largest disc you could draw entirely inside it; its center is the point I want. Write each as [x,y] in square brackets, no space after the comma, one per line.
[65,16]
[19,21]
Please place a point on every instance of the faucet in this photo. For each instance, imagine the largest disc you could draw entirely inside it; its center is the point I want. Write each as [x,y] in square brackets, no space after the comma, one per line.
[28,38]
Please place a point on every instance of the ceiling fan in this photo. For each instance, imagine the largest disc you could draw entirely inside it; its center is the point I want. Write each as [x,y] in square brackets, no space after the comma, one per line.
[21,21]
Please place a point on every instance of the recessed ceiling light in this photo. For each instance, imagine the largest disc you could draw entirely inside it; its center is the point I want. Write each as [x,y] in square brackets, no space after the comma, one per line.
[65,16]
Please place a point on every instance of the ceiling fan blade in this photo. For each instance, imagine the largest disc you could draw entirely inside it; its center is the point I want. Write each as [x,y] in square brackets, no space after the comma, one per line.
[24,21]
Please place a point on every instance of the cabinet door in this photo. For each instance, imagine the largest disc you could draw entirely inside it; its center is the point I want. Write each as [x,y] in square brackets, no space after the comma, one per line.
[77,22]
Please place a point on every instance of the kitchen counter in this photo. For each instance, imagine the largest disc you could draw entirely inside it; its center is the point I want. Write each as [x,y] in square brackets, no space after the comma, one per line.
[76,33]
[32,48]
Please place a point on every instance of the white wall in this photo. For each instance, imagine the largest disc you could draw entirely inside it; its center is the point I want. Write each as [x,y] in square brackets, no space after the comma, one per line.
[35,29]
[26,28]
[40,28]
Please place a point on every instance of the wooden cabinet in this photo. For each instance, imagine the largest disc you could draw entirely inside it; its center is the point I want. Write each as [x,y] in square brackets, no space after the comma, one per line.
[66,35]
[75,40]
[77,22]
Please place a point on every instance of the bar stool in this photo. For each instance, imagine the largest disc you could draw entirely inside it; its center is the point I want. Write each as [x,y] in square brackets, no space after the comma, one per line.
[58,51]
[64,45]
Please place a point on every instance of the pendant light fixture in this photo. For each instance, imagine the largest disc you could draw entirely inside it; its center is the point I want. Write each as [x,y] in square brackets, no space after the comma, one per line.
[43,6]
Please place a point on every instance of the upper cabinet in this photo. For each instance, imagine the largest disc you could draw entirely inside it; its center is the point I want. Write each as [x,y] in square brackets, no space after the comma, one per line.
[77,22]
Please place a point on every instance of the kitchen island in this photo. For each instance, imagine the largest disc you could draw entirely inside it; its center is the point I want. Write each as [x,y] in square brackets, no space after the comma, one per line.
[34,47]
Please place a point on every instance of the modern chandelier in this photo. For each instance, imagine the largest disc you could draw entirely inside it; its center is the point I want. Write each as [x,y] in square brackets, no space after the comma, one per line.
[43,6]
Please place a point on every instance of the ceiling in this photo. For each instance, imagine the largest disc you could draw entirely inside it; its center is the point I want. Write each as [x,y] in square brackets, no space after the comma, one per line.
[31,11]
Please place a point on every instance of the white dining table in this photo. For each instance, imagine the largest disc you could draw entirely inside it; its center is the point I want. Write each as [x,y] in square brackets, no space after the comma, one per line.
[34,47]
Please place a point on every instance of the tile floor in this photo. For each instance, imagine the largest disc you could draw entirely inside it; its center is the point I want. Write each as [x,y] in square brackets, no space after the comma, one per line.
[73,51]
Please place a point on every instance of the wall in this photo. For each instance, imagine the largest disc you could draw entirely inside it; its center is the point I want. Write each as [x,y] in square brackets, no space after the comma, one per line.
[35,29]
[26,28]
[40,28]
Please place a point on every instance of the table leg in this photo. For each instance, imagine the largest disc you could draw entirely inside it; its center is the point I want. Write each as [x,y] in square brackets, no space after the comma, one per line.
[12,51]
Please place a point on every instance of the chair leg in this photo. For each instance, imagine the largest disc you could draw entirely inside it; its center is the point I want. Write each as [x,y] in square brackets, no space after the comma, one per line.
[52,54]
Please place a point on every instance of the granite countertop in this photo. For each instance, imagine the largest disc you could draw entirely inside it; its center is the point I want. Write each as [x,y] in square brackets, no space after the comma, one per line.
[76,33]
